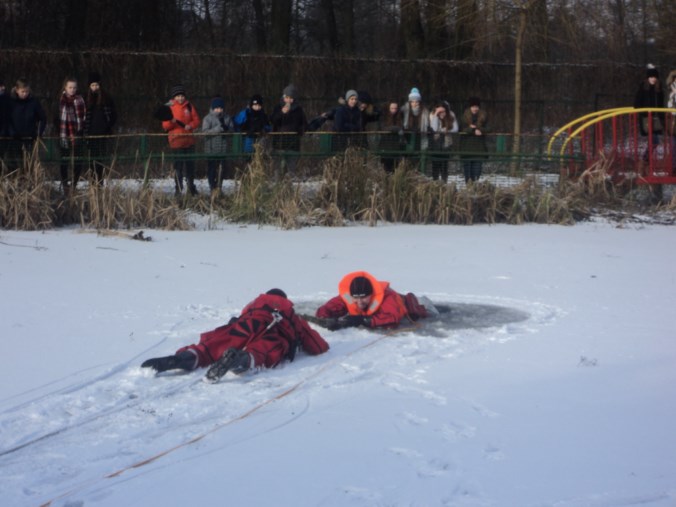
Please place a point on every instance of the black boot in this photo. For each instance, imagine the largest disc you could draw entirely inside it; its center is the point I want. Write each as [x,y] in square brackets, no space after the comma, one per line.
[234,360]
[183,361]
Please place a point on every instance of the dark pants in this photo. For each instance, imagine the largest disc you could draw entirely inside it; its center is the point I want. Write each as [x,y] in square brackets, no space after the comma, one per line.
[217,171]
[440,167]
[17,147]
[185,167]
[472,170]
[97,153]
[71,163]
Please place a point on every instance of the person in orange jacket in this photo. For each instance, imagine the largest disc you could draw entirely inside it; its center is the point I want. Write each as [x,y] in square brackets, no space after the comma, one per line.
[364,301]
[181,139]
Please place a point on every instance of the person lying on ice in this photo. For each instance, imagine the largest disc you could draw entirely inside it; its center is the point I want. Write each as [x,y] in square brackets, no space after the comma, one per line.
[267,332]
[364,301]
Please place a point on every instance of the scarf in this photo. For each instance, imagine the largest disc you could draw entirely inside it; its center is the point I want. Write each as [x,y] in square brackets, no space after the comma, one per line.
[71,116]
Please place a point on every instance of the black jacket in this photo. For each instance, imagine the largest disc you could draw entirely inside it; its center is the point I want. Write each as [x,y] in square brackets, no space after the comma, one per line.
[27,118]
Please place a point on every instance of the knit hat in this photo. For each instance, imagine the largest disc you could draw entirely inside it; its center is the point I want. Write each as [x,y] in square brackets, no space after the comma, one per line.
[256,99]
[474,101]
[414,95]
[217,102]
[351,93]
[178,89]
[361,287]
[364,97]
[290,91]
[651,71]
[94,77]
[276,292]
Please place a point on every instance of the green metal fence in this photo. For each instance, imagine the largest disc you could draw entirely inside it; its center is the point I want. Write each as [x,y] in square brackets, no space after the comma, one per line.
[149,154]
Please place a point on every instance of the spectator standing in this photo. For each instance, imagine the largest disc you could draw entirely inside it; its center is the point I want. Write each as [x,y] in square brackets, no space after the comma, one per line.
[69,122]
[393,140]
[27,119]
[443,124]
[370,117]
[347,124]
[416,120]
[650,94]
[5,132]
[181,139]
[253,121]
[473,142]
[289,119]
[671,102]
[215,125]
[100,119]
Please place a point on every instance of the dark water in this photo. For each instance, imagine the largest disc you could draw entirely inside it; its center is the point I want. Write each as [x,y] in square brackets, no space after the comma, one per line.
[450,316]
[471,316]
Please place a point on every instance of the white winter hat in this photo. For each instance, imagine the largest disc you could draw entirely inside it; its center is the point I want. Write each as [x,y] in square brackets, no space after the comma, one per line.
[414,95]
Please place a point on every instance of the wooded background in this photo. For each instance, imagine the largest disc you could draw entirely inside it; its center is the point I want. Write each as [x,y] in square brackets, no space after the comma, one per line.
[575,55]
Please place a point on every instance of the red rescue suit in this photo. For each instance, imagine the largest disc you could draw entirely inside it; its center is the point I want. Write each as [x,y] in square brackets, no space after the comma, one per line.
[268,329]
[386,309]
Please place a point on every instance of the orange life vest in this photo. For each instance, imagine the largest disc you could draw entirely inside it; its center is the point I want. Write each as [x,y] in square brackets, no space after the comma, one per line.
[377,298]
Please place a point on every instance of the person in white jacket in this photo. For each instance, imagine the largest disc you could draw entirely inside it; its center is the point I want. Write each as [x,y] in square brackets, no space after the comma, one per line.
[443,123]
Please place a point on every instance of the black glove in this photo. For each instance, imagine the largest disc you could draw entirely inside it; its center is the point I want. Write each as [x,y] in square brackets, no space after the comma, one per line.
[350,321]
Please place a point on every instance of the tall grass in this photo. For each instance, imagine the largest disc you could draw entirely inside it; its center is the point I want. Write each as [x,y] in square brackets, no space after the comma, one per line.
[353,187]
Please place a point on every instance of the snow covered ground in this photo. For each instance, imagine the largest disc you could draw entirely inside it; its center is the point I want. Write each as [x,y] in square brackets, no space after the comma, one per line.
[561,396]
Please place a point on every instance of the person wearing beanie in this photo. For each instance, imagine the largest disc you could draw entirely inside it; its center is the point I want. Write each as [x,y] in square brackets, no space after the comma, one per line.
[185,120]
[215,127]
[362,300]
[650,94]
[253,121]
[473,140]
[347,124]
[414,95]
[370,114]
[289,121]
[415,120]
[267,332]
[100,118]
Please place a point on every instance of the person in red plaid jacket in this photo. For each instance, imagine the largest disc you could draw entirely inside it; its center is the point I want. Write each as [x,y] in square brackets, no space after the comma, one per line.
[69,122]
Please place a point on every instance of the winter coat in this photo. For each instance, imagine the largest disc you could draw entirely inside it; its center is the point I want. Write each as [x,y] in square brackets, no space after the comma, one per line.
[370,118]
[27,118]
[649,95]
[671,99]
[254,124]
[393,124]
[387,307]
[469,141]
[186,114]
[347,119]
[293,121]
[212,125]
[101,115]
[441,138]
[419,125]
[69,120]
[5,112]
[255,331]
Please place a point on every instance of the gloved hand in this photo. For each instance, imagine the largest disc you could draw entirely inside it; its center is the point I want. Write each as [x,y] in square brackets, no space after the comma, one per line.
[349,321]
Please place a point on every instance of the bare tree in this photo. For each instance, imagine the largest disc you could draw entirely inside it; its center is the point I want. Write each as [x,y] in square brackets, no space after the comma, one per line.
[280,28]
[436,14]
[412,29]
